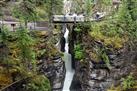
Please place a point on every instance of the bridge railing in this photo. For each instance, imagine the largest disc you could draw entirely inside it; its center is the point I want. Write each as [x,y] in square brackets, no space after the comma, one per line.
[68,19]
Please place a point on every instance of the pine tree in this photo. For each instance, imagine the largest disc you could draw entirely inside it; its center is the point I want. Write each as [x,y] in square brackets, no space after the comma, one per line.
[3,3]
[25,44]
[4,53]
[25,11]
[127,17]
[132,7]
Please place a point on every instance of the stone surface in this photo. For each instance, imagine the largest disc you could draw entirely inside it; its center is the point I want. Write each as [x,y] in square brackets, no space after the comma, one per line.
[55,71]
[93,76]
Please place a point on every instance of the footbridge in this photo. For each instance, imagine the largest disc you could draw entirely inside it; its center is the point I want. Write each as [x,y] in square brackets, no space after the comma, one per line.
[75,18]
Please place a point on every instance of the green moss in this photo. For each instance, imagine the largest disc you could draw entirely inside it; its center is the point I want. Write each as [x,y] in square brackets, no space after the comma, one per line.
[79,53]
[38,83]
[41,47]
[128,82]
[5,79]
[108,34]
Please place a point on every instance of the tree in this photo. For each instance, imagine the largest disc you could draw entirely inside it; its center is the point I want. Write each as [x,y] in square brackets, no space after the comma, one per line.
[127,17]
[4,53]
[132,7]
[25,44]
[53,7]
[25,11]
[3,3]
[88,7]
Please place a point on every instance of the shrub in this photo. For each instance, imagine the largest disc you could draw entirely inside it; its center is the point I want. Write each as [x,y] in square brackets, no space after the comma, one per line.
[25,44]
[106,59]
[39,83]
[102,54]
[108,34]
[79,52]
[128,82]
[77,29]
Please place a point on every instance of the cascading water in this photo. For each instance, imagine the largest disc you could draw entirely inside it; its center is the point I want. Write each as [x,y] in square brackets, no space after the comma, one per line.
[67,57]
[68,64]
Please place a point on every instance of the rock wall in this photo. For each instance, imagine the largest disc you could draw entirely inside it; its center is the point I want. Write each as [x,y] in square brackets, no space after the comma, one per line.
[55,71]
[51,63]
[93,75]
[48,60]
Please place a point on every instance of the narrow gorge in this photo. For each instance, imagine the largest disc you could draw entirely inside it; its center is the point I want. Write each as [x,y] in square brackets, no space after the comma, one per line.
[68,45]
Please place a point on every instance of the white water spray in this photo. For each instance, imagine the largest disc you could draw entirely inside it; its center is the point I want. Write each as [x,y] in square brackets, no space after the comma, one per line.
[67,57]
[68,64]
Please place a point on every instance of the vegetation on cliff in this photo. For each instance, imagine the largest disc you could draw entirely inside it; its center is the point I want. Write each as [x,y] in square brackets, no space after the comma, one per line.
[21,51]
[101,42]
[104,40]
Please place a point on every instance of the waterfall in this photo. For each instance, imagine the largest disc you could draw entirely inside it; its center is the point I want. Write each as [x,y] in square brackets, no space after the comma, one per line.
[67,6]
[67,57]
[68,64]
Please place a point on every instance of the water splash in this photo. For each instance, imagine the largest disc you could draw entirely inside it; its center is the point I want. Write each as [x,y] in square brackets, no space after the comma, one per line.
[67,57]
[68,64]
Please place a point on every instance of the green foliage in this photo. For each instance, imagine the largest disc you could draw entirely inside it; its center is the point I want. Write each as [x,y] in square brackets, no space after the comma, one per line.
[77,6]
[107,2]
[77,29]
[1,14]
[79,53]
[132,7]
[105,58]
[25,11]
[4,35]
[117,31]
[4,41]
[88,7]
[38,83]
[127,17]
[49,7]
[109,33]
[101,55]
[128,82]
[25,44]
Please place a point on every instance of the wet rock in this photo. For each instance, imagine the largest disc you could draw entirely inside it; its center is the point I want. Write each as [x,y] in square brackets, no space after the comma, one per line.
[94,76]
[55,71]
[62,42]
[98,74]
[56,58]
[57,84]
[112,57]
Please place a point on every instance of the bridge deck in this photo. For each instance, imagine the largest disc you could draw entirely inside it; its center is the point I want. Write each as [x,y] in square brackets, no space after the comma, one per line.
[67,19]
[75,18]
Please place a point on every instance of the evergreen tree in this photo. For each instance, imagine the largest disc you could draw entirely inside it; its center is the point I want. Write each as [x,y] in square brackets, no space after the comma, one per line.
[132,7]
[25,11]
[25,44]
[3,3]
[4,53]
[127,16]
